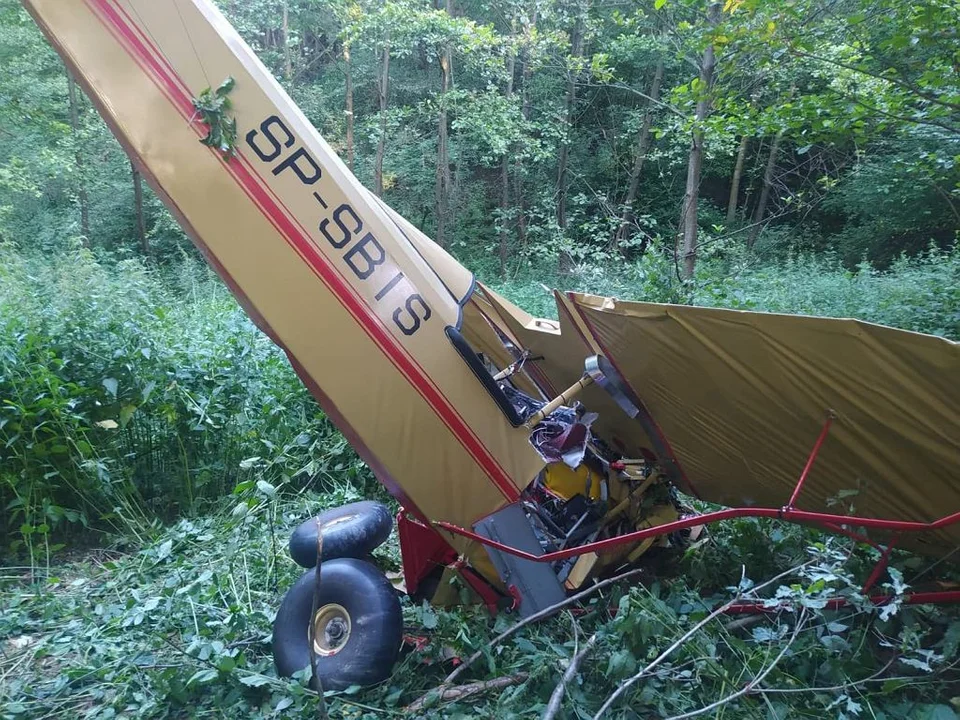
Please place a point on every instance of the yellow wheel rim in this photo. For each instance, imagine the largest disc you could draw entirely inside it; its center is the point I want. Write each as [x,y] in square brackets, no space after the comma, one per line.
[331,629]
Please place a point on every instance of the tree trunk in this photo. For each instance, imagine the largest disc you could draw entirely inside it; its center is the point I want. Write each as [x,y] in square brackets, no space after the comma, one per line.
[383,88]
[348,104]
[287,59]
[138,209]
[625,231]
[761,210]
[505,178]
[576,50]
[526,72]
[692,194]
[443,182]
[735,182]
[78,160]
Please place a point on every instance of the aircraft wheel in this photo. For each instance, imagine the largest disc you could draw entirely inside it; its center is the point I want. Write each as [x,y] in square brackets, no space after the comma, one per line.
[358,625]
[353,531]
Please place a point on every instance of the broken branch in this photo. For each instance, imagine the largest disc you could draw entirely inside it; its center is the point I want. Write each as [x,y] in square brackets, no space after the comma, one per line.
[687,635]
[460,692]
[553,707]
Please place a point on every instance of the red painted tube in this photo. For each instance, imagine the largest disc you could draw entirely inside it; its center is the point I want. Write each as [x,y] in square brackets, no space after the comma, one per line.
[880,566]
[787,514]
[810,460]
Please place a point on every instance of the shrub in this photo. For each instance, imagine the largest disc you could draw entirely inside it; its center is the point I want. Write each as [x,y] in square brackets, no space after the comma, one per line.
[128,394]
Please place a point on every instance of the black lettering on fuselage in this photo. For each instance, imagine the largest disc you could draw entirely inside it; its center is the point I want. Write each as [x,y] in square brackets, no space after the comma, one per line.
[276,146]
[362,253]
[409,325]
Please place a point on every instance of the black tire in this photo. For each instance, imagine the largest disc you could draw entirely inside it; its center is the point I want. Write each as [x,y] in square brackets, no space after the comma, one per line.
[374,619]
[349,531]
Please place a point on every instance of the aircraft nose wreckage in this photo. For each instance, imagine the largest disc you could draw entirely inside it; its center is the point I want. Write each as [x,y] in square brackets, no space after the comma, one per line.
[530,457]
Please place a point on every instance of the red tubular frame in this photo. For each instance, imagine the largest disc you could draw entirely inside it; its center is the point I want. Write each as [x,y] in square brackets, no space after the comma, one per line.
[810,460]
[788,513]
[825,520]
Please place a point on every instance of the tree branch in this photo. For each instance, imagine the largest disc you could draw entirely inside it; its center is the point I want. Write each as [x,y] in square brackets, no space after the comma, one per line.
[750,686]
[553,707]
[546,612]
[461,692]
[903,118]
[690,633]
[908,86]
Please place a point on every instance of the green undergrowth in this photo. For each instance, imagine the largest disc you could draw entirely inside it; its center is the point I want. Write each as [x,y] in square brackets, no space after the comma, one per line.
[919,293]
[181,628]
[156,449]
[131,395]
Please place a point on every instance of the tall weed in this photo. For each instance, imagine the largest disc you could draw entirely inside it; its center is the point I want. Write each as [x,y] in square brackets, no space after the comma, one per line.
[128,394]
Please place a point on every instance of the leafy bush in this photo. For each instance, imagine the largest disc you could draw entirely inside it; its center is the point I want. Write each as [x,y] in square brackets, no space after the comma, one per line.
[128,394]
[920,293]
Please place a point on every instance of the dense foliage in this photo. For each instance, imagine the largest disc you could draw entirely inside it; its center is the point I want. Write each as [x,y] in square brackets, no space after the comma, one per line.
[560,133]
[132,394]
[155,448]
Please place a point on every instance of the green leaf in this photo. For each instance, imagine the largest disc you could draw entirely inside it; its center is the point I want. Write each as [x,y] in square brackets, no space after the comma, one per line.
[202,676]
[126,412]
[255,680]
[658,4]
[110,384]
[429,618]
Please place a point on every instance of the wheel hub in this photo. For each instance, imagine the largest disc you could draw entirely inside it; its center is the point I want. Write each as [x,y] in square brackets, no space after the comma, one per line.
[331,629]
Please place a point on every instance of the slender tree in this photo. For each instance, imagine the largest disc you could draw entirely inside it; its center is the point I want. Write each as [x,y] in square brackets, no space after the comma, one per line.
[761,209]
[505,168]
[443,180]
[81,187]
[627,225]
[735,180]
[138,209]
[348,101]
[526,75]
[569,107]
[287,57]
[688,218]
[383,87]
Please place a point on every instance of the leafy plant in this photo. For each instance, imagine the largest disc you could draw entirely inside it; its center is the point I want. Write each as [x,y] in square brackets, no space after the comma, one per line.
[213,107]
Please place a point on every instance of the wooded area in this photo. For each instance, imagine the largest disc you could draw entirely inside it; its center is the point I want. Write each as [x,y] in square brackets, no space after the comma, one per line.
[562,135]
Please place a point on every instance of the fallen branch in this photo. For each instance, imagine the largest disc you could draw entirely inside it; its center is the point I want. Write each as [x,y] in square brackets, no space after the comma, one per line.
[546,612]
[553,707]
[460,692]
[687,635]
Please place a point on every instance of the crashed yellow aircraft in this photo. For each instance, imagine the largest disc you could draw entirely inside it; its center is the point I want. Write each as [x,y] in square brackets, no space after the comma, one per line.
[529,457]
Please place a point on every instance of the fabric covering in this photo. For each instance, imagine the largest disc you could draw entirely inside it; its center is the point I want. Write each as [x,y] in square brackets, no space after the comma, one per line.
[742,397]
